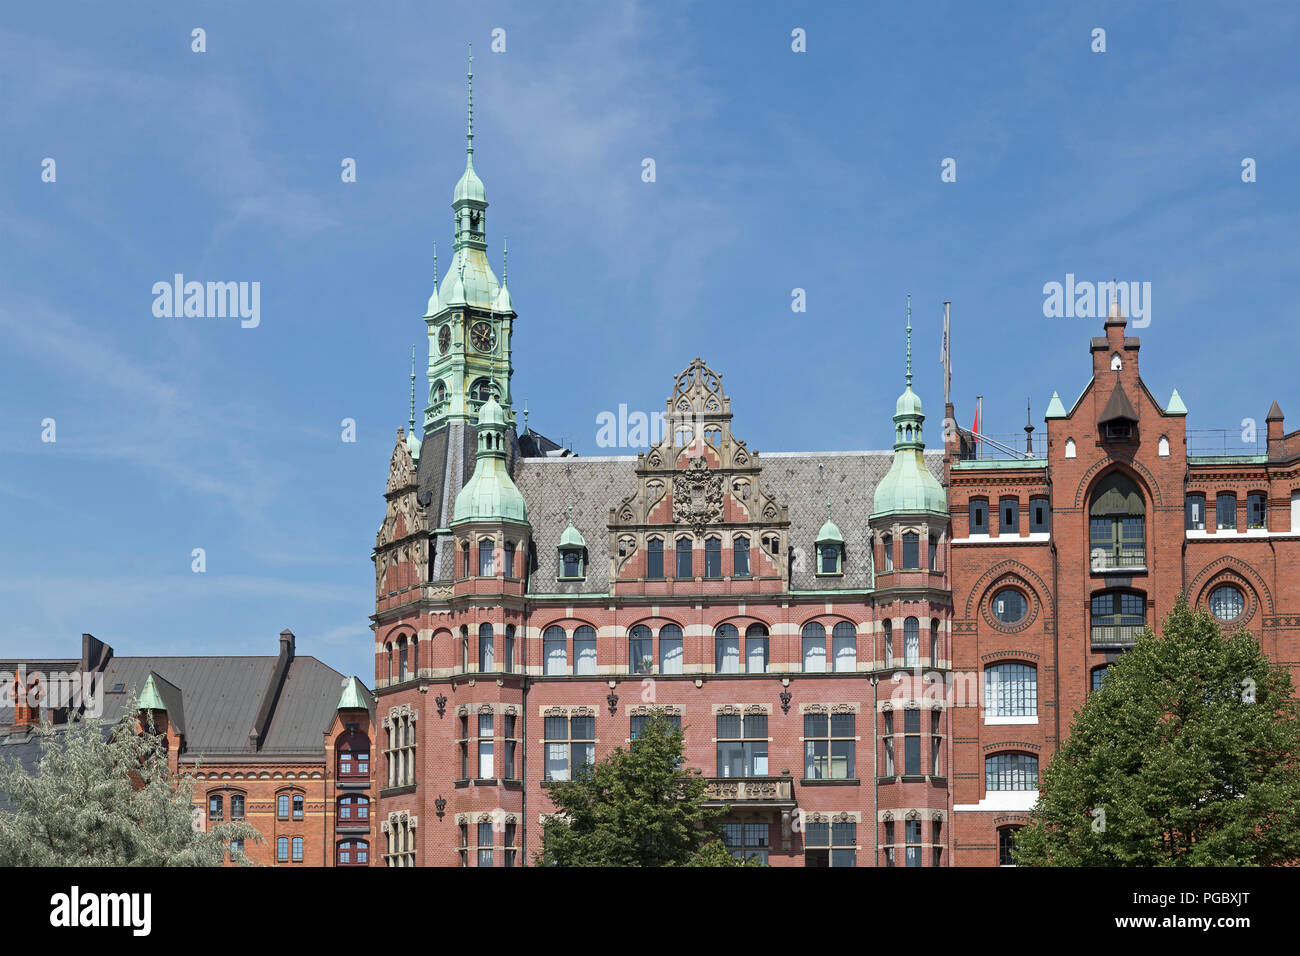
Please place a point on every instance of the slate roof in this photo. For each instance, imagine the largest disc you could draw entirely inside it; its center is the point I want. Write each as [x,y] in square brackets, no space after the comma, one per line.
[800,480]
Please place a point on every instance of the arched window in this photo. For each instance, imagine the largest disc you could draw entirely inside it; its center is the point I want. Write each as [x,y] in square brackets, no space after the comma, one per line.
[1225,504]
[756,649]
[1194,513]
[654,558]
[486,557]
[1098,675]
[297,849]
[236,806]
[640,650]
[402,662]
[888,542]
[486,652]
[934,642]
[911,642]
[713,557]
[814,648]
[1010,771]
[555,650]
[464,561]
[354,853]
[439,394]
[388,653]
[844,647]
[1116,527]
[464,648]
[299,806]
[415,655]
[1011,690]
[353,754]
[911,550]
[480,391]
[573,562]
[1162,447]
[1117,618]
[1069,448]
[979,516]
[215,808]
[726,649]
[1256,511]
[670,649]
[584,650]
[684,570]
[740,567]
[354,810]
[508,652]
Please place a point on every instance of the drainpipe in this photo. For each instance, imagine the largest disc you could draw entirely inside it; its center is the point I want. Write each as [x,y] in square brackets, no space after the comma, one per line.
[875,769]
[523,763]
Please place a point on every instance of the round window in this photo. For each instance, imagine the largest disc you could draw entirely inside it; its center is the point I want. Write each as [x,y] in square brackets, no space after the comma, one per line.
[1227,603]
[1009,606]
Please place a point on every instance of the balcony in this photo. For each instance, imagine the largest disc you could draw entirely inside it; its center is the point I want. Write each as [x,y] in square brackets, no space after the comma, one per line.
[774,792]
[1107,637]
[1118,560]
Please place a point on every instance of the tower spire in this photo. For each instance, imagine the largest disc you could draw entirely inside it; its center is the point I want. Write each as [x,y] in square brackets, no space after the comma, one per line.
[505,258]
[909,340]
[469,108]
[412,390]
[435,267]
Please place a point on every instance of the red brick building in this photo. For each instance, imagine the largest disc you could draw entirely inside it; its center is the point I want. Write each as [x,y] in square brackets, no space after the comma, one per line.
[1060,557]
[281,742]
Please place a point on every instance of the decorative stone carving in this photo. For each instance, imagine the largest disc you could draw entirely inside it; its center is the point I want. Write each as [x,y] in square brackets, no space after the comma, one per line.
[697,496]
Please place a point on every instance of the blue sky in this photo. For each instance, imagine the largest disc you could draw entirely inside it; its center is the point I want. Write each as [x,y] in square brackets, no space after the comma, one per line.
[775,170]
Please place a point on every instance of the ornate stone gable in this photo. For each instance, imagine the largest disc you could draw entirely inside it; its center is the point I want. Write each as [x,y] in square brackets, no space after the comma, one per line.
[698,480]
[404,535]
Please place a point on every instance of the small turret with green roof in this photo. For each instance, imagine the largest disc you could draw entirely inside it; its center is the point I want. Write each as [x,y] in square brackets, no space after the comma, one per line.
[490,494]
[909,487]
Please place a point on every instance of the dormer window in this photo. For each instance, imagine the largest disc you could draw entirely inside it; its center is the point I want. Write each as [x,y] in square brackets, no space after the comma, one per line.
[1119,431]
[830,557]
[572,563]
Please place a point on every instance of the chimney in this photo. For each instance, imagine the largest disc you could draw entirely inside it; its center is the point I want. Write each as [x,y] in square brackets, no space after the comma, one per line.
[271,695]
[1275,430]
[95,654]
[286,644]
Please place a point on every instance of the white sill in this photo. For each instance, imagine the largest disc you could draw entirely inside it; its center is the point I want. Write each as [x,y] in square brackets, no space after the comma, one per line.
[991,721]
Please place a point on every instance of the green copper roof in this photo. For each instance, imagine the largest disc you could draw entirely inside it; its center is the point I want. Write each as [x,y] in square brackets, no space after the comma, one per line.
[150,698]
[829,532]
[472,282]
[490,495]
[1054,408]
[908,486]
[572,538]
[353,696]
[469,187]
[1175,406]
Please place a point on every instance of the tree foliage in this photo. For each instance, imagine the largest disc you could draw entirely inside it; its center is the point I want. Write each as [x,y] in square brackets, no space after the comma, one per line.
[637,807]
[102,795]
[1186,756]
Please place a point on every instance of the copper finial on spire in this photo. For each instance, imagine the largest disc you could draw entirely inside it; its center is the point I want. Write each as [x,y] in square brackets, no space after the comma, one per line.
[469,104]
[435,265]
[505,259]
[909,340]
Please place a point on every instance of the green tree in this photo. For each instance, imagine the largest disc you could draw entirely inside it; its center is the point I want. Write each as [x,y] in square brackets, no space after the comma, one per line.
[102,795]
[637,807]
[1186,756]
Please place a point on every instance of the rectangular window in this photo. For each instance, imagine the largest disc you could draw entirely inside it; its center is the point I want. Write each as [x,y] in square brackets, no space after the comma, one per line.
[713,558]
[889,843]
[1226,505]
[1011,690]
[1040,515]
[746,841]
[297,849]
[1009,516]
[1011,771]
[741,563]
[911,642]
[214,808]
[654,559]
[638,721]
[912,742]
[282,807]
[1195,513]
[510,559]
[510,848]
[570,745]
[755,653]
[936,744]
[510,744]
[913,831]
[485,769]
[934,553]
[684,569]
[1255,511]
[742,745]
[831,844]
[814,654]
[555,654]
[486,558]
[485,844]
[888,743]
[979,517]
[298,806]
[237,806]
[887,543]
[829,746]
[282,850]
[486,652]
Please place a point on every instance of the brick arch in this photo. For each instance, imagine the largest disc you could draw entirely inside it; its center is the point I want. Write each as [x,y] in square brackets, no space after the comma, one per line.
[654,622]
[1248,575]
[827,621]
[991,577]
[1133,468]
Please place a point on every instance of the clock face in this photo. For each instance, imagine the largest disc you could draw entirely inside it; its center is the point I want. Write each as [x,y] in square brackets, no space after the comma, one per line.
[444,339]
[483,336]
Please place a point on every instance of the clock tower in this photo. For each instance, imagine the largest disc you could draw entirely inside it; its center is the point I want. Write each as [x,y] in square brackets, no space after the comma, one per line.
[470,318]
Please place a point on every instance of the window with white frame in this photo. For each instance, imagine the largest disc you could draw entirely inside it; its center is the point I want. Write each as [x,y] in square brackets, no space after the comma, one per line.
[814,648]
[670,649]
[830,744]
[1011,690]
[570,745]
[555,653]
[584,649]
[844,647]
